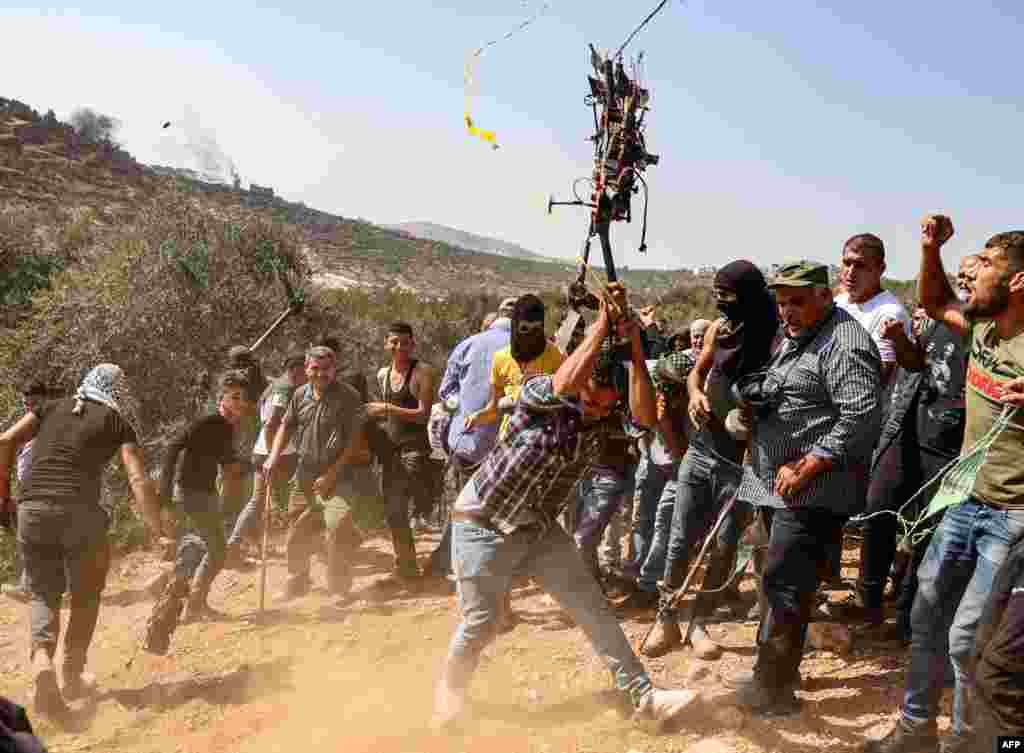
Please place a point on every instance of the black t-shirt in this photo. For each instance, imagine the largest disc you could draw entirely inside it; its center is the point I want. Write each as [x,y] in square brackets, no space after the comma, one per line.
[71,452]
[940,401]
[203,445]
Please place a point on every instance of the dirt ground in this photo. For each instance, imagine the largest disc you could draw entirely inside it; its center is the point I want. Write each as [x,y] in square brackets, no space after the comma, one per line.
[312,677]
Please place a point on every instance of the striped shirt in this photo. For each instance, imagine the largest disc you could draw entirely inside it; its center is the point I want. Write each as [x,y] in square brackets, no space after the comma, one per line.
[829,407]
[530,474]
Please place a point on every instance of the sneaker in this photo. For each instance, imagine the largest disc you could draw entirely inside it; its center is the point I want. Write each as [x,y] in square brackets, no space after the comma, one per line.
[703,646]
[660,707]
[906,738]
[756,697]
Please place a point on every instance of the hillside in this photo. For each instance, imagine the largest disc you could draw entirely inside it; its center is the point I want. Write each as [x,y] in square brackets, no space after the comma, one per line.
[433,232]
[45,170]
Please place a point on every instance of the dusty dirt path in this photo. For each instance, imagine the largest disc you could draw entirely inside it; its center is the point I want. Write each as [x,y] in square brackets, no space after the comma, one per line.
[312,678]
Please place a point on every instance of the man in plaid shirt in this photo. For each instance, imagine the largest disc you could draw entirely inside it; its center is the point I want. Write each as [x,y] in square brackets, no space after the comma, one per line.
[504,520]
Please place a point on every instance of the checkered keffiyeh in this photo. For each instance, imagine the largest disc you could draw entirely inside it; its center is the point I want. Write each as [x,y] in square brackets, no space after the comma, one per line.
[670,373]
[107,385]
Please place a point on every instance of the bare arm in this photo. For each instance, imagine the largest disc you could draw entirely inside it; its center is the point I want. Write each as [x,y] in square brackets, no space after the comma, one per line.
[643,404]
[908,353]
[486,415]
[577,369]
[17,435]
[352,453]
[699,407]
[933,288]
[143,488]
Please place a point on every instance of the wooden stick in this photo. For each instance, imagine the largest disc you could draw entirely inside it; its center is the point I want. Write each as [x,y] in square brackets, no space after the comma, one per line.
[263,548]
[680,592]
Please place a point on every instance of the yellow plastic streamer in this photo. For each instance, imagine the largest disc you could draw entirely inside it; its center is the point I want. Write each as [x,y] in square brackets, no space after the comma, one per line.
[473,130]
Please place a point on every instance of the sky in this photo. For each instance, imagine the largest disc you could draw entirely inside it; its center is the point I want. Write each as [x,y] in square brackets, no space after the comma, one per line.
[783,128]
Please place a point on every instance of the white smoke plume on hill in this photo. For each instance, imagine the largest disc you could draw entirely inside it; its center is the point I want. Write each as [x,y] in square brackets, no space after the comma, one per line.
[187,143]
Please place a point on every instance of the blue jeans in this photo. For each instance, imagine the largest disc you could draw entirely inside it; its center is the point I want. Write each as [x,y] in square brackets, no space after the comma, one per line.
[484,562]
[954,582]
[705,485]
[651,479]
[599,496]
[653,568]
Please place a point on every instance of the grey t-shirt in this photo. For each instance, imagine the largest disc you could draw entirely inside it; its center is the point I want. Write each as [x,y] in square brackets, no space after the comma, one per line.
[322,428]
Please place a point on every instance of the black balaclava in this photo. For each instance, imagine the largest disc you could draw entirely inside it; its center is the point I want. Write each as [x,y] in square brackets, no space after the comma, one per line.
[529,344]
[744,344]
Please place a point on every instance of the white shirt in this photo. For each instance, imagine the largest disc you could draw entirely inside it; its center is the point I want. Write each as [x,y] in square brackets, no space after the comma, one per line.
[278,398]
[872,313]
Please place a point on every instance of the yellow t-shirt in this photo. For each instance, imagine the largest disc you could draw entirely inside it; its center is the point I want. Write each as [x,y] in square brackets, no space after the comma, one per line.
[507,377]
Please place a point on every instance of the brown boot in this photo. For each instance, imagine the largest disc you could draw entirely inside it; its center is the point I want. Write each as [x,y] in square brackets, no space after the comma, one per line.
[666,636]
[703,646]
[405,553]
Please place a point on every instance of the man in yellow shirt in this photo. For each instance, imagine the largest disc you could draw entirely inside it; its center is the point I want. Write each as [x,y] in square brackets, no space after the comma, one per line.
[528,354]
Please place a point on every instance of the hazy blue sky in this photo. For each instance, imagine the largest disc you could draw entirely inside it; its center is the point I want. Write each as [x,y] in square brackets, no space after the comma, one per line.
[783,127]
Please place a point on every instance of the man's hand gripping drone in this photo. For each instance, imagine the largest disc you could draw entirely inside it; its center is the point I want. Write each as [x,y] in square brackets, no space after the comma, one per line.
[619,105]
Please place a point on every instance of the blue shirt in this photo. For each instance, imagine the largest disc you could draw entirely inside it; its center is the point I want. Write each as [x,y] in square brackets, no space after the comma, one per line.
[468,376]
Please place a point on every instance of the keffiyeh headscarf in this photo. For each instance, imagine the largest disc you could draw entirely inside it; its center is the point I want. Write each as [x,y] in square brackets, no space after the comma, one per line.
[107,385]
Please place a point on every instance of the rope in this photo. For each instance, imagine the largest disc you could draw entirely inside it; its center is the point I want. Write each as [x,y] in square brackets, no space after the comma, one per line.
[956,481]
[636,31]
[468,79]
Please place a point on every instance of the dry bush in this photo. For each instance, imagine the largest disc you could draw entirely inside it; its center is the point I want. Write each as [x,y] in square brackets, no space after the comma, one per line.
[164,300]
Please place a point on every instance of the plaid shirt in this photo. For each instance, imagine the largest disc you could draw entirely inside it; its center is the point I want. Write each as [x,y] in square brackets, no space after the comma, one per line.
[829,407]
[530,474]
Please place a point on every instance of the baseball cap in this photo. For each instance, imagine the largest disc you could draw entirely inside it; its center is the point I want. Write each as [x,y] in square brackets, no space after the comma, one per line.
[800,274]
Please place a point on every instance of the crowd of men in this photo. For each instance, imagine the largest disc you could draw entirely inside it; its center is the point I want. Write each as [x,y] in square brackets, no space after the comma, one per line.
[597,466]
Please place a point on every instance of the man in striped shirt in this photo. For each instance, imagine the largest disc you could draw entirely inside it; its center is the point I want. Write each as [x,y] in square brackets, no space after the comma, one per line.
[817,416]
[504,520]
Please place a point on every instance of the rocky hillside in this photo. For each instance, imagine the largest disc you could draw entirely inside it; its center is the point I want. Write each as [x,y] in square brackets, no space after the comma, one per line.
[433,232]
[48,172]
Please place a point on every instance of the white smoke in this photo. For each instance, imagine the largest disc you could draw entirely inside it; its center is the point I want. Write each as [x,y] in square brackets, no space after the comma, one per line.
[186,143]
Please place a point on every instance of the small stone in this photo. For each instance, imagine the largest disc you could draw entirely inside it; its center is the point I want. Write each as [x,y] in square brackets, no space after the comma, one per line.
[533,696]
[730,718]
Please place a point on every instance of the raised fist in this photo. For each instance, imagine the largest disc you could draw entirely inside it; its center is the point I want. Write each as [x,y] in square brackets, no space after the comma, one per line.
[615,297]
[936,229]
[890,328]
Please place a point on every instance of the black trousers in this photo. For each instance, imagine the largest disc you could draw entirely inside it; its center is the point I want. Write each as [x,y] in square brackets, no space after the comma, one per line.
[410,476]
[799,551]
[900,471]
[998,697]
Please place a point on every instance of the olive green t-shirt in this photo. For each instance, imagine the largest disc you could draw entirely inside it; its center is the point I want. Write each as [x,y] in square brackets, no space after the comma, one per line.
[994,362]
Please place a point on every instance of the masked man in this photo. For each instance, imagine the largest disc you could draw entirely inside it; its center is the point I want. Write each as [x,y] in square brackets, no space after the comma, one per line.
[505,519]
